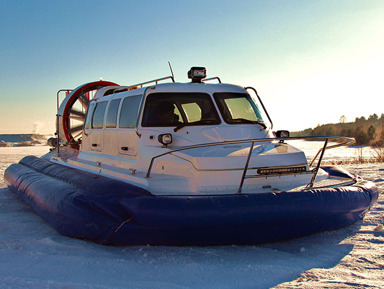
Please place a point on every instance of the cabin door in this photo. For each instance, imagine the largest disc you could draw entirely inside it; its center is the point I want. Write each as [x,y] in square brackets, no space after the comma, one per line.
[95,138]
[127,137]
[95,135]
[127,142]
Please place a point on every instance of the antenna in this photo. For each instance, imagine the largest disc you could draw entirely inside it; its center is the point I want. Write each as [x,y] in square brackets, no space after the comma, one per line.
[170,67]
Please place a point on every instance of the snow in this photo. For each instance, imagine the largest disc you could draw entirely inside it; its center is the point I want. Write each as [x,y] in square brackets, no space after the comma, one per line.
[33,255]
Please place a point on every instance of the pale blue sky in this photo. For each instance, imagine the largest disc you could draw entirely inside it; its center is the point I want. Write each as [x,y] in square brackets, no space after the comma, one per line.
[311,61]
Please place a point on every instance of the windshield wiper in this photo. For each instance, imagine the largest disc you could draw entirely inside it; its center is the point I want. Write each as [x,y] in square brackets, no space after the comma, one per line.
[180,126]
[262,124]
[199,122]
[243,120]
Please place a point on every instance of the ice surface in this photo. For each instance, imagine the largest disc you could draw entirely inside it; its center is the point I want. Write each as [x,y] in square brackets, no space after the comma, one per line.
[33,255]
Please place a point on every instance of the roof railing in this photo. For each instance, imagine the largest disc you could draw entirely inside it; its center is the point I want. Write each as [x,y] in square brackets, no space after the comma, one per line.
[140,85]
[212,78]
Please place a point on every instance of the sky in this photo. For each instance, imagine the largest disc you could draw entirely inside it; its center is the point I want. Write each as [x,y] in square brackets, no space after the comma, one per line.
[310,61]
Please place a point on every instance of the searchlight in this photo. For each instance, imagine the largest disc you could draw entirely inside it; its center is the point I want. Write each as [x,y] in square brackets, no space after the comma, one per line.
[197,74]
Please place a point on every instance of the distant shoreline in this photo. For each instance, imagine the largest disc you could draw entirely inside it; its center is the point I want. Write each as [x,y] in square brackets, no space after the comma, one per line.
[30,139]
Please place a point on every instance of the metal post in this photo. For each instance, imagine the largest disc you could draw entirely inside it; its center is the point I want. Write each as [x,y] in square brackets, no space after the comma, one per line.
[245,168]
[57,133]
[310,185]
[262,104]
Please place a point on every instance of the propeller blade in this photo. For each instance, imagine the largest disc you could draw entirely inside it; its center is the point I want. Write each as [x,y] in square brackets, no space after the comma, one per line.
[83,101]
[79,134]
[75,129]
[76,115]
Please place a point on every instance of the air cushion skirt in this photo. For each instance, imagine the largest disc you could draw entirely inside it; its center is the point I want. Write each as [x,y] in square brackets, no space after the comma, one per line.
[84,205]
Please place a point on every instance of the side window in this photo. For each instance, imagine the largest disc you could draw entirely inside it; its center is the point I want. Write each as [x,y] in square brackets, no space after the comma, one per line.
[98,115]
[113,107]
[129,111]
[89,115]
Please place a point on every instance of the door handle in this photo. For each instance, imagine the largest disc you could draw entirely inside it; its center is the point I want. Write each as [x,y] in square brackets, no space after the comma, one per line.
[94,144]
[124,148]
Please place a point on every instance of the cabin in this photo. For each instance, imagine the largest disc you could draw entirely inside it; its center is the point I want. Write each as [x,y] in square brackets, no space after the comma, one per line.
[190,135]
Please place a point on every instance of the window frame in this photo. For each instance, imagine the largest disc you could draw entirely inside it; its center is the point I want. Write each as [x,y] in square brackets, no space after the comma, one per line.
[139,96]
[104,103]
[117,113]
[89,115]
[176,98]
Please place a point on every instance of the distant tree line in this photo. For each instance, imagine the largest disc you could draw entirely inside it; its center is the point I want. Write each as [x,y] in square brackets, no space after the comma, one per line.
[366,131]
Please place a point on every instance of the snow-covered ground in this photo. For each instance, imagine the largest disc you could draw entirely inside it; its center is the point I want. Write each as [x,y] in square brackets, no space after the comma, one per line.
[33,255]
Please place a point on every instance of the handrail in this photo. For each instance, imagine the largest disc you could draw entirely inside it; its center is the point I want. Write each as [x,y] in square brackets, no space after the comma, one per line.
[262,104]
[58,116]
[342,141]
[332,146]
[212,78]
[246,167]
[58,96]
[316,170]
[156,81]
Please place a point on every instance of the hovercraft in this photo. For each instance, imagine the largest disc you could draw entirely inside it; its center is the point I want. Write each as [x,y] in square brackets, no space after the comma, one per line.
[166,163]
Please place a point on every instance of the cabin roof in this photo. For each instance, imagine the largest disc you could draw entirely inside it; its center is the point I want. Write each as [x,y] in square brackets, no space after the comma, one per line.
[122,91]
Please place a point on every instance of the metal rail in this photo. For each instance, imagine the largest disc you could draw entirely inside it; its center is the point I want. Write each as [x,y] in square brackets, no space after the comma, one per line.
[156,81]
[134,86]
[262,104]
[316,170]
[58,96]
[342,141]
[212,78]
[67,91]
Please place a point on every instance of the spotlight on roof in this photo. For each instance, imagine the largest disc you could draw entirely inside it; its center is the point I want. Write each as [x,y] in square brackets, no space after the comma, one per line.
[197,74]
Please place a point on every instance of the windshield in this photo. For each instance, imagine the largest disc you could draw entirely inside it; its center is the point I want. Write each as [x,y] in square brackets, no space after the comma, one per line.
[179,110]
[237,108]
